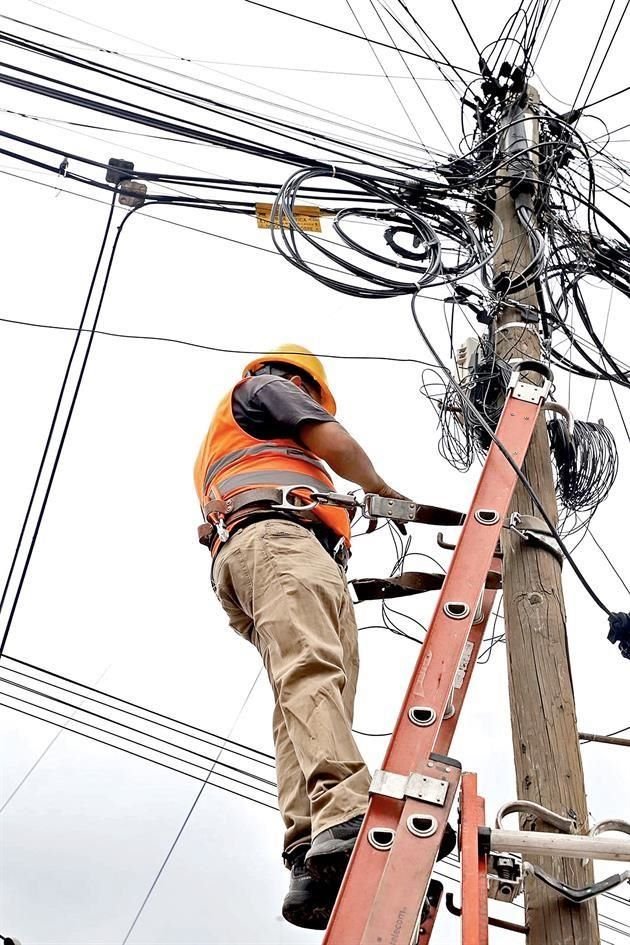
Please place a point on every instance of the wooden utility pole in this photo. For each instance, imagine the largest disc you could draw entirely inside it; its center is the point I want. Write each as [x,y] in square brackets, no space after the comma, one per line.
[544,729]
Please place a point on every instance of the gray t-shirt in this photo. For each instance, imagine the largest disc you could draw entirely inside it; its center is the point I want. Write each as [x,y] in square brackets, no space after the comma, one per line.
[270,407]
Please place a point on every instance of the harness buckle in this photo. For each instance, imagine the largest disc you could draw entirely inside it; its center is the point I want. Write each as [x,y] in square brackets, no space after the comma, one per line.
[287,491]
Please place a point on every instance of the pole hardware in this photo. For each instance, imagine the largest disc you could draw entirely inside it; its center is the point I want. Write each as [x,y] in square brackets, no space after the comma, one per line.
[497,923]
[131,193]
[604,826]
[537,843]
[531,393]
[418,787]
[552,407]
[535,531]
[576,894]
[502,847]
[505,877]
[118,170]
[536,812]
[444,544]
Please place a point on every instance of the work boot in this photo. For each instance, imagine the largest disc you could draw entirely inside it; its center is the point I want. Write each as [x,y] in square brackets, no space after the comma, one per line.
[330,851]
[308,902]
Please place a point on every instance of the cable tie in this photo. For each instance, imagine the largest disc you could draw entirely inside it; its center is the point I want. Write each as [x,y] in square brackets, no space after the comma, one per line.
[334,170]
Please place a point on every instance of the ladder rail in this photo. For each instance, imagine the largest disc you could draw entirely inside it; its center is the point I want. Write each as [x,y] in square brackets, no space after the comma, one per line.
[384,888]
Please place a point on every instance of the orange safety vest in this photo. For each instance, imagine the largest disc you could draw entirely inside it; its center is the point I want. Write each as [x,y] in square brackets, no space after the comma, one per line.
[231,461]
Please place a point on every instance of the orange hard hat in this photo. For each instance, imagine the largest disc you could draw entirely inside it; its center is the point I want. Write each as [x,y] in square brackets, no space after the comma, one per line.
[303,359]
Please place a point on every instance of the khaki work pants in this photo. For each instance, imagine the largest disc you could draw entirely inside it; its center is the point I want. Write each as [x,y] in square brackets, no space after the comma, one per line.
[285,594]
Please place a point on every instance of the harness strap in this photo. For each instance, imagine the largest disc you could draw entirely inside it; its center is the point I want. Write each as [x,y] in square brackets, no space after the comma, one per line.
[411,582]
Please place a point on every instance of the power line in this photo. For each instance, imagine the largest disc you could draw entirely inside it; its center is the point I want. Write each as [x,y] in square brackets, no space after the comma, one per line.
[185,821]
[42,755]
[135,754]
[53,425]
[265,782]
[465,25]
[335,29]
[178,723]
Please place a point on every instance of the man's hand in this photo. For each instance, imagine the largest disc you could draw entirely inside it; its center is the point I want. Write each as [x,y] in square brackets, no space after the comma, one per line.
[388,493]
[333,444]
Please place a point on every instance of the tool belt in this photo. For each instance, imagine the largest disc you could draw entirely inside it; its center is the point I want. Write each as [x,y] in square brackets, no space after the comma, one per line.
[257,505]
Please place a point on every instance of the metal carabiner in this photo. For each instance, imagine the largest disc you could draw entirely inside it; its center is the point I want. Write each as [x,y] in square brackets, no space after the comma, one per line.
[287,491]
[222,530]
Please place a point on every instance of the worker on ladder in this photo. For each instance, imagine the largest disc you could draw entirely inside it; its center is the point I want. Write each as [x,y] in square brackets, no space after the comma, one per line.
[280,577]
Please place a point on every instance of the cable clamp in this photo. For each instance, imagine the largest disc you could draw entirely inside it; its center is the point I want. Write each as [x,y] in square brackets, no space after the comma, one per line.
[535,531]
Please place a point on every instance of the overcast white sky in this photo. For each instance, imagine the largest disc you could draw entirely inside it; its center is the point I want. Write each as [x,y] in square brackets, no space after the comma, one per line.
[118,590]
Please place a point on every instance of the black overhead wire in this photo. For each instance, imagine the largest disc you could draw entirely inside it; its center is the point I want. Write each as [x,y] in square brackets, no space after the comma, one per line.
[142,714]
[608,48]
[385,73]
[416,82]
[180,94]
[465,25]
[136,59]
[203,102]
[51,431]
[30,692]
[548,28]
[110,105]
[444,61]
[127,751]
[407,52]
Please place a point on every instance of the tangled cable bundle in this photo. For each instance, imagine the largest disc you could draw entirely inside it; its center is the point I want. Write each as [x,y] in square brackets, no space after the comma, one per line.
[586,464]
[463,439]
[443,246]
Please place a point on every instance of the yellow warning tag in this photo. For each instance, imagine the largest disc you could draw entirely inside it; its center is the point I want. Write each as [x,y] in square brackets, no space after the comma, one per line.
[308,218]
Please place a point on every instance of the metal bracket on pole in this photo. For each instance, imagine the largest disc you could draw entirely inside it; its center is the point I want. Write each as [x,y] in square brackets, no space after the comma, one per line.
[537,812]
[535,531]
[576,894]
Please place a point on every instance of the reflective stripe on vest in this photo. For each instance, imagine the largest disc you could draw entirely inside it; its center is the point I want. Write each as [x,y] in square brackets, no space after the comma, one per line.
[231,461]
[265,448]
[272,477]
